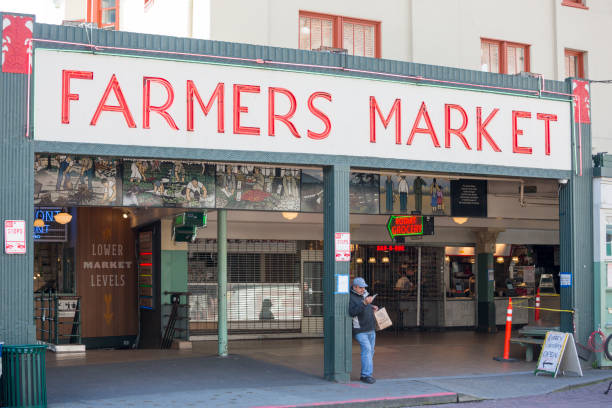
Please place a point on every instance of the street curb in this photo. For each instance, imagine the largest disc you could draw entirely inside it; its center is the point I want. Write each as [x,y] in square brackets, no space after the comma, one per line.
[382,402]
[581,385]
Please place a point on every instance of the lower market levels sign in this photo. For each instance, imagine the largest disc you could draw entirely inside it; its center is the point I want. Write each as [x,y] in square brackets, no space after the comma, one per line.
[406,225]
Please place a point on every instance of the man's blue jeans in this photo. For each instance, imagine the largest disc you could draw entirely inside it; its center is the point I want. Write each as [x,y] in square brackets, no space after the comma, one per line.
[367,341]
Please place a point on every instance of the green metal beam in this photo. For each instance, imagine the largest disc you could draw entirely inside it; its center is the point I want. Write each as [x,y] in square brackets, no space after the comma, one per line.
[222,280]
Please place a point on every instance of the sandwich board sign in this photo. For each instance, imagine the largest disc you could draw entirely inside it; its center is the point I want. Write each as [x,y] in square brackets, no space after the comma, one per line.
[558,354]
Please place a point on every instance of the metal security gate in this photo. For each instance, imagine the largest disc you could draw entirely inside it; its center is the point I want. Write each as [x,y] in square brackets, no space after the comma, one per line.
[264,290]
[407,279]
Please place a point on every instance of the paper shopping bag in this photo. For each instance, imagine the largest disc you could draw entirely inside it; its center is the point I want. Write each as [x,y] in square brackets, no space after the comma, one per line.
[382,319]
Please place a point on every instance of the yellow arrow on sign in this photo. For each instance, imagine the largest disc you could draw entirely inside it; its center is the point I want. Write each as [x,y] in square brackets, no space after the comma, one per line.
[108,316]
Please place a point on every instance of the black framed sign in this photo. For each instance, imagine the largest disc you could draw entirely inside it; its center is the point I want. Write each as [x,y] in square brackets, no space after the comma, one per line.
[468,198]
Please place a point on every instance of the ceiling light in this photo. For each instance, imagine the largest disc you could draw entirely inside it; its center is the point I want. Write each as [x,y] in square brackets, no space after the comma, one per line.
[500,259]
[63,217]
[289,215]
[372,260]
[515,259]
[460,220]
[359,260]
[125,215]
[385,259]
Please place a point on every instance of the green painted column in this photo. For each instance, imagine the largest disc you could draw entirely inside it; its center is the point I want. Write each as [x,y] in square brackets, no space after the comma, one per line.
[485,248]
[337,324]
[16,203]
[222,281]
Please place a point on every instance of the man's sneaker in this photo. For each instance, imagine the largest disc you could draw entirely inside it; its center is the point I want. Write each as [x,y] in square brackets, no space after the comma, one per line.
[367,380]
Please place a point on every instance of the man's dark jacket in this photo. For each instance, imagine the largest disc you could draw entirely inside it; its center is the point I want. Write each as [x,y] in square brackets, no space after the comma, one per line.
[363,315]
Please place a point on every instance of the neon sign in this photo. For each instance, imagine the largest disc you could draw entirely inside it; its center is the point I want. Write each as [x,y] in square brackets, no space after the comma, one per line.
[390,248]
[51,231]
[402,225]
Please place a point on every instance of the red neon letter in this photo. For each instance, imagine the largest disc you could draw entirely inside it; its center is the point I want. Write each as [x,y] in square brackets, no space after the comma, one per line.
[243,130]
[283,118]
[517,132]
[481,130]
[113,85]
[146,102]
[547,118]
[320,115]
[66,95]
[447,125]
[429,129]
[218,93]
[395,109]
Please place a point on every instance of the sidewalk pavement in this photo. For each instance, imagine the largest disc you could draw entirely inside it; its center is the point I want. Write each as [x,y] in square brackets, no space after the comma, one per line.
[240,381]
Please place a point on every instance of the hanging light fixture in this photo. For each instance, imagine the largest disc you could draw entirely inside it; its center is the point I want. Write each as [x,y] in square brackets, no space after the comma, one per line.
[62,217]
[460,220]
[385,259]
[289,215]
[500,259]
[372,260]
[39,223]
[359,260]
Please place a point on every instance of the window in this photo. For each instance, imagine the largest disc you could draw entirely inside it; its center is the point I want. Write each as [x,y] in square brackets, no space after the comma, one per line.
[608,240]
[358,37]
[103,12]
[504,57]
[574,64]
[575,3]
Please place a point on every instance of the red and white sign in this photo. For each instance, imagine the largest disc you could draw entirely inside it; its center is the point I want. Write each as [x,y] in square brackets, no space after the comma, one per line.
[86,98]
[16,43]
[343,246]
[14,237]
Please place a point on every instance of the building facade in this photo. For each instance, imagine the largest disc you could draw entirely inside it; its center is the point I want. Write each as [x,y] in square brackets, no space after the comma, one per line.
[340,143]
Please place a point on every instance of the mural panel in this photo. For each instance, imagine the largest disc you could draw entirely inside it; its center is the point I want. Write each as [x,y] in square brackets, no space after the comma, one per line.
[312,190]
[168,183]
[64,180]
[364,193]
[258,188]
[401,194]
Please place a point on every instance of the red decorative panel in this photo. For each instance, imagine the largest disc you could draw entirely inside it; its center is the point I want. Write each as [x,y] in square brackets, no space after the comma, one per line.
[582,106]
[16,43]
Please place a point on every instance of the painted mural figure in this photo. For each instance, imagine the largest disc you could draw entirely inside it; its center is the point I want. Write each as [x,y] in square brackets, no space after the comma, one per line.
[440,200]
[63,175]
[417,187]
[433,191]
[194,190]
[87,171]
[402,188]
[110,190]
[228,182]
[389,194]
[136,175]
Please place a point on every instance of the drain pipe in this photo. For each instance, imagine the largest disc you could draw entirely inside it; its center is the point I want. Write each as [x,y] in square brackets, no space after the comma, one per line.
[522,194]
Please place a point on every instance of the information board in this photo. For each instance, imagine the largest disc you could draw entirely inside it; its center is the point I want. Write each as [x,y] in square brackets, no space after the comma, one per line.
[468,198]
[343,246]
[14,237]
[558,354]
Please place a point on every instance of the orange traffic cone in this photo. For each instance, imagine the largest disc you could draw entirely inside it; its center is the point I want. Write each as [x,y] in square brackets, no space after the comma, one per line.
[536,315]
[506,356]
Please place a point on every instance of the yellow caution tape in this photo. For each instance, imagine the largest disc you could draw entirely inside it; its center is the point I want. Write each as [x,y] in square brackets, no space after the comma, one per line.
[544,308]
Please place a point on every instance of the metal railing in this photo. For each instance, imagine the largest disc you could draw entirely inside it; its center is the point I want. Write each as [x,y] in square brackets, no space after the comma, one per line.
[57,318]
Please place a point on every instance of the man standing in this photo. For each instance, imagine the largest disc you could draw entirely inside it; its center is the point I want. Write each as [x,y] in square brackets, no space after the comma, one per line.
[362,311]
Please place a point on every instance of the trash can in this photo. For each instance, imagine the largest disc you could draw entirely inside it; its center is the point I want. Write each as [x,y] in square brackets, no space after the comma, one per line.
[23,382]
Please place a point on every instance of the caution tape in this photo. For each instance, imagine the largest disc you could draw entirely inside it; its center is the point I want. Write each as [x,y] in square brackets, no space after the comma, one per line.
[545,308]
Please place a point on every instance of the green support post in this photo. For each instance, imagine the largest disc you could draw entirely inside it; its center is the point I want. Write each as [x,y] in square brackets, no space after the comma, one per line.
[222,281]
[486,299]
[337,324]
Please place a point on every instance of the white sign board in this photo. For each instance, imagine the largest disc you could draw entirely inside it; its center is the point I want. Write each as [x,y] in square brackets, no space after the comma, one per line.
[558,354]
[342,283]
[14,237]
[343,246]
[87,98]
